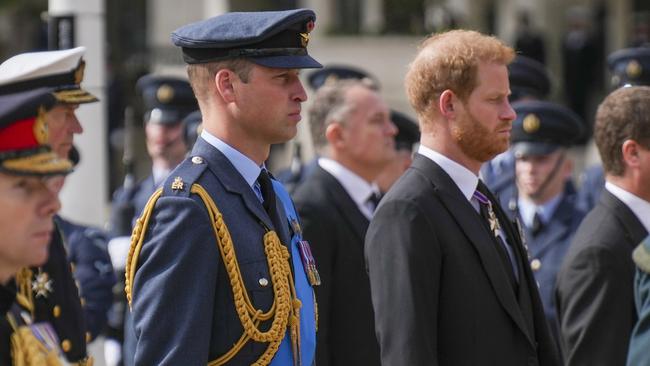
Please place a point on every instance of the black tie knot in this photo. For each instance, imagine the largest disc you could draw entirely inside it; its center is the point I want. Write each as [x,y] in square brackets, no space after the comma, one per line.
[266,188]
[373,200]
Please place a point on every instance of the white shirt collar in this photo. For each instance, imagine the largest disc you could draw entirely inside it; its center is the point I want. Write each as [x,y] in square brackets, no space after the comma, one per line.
[358,188]
[527,210]
[639,206]
[242,163]
[463,177]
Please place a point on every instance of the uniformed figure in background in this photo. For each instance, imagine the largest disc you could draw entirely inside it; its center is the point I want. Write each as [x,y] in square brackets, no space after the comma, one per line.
[88,253]
[166,101]
[28,171]
[595,298]
[630,66]
[544,198]
[352,131]
[218,272]
[529,80]
[640,338]
[55,293]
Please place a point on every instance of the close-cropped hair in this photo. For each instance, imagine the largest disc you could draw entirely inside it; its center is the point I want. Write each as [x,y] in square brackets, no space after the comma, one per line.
[449,61]
[201,76]
[329,105]
[623,115]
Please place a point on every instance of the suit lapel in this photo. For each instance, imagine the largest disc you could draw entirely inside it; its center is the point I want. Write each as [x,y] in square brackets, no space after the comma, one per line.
[344,203]
[470,224]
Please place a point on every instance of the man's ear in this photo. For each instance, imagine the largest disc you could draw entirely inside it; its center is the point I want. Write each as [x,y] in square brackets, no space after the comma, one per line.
[224,80]
[448,103]
[335,135]
[630,151]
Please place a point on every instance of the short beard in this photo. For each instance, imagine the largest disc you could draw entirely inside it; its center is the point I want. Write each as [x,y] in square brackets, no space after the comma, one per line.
[474,140]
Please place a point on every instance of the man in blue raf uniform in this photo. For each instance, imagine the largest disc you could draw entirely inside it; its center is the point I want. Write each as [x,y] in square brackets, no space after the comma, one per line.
[217,271]
[166,101]
[544,196]
[52,286]
[630,66]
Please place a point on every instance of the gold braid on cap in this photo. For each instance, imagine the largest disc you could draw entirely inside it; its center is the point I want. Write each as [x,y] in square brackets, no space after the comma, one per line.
[285,310]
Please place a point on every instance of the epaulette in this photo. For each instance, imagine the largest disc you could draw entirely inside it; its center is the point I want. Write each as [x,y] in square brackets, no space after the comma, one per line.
[178,184]
[187,173]
[641,255]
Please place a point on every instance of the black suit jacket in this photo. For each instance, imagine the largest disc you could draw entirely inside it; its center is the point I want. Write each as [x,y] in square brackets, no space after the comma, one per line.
[440,292]
[335,228]
[595,298]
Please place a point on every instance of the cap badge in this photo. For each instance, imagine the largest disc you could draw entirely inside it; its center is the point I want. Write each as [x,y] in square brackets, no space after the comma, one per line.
[531,123]
[40,127]
[331,79]
[633,69]
[304,39]
[165,93]
[79,72]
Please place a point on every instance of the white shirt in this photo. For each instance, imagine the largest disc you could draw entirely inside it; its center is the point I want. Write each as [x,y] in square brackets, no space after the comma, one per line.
[528,209]
[639,206]
[358,188]
[467,182]
[464,178]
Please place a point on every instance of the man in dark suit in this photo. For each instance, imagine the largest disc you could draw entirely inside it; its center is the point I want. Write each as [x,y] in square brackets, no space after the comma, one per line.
[218,271]
[352,130]
[448,273]
[544,198]
[629,66]
[595,284]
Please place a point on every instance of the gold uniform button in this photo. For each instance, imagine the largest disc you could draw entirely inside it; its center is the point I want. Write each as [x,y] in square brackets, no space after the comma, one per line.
[89,337]
[263,282]
[83,301]
[535,265]
[66,345]
[197,160]
[72,267]
[56,311]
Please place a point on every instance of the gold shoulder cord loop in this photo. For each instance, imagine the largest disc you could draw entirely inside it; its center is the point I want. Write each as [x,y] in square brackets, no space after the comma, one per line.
[285,310]
[24,295]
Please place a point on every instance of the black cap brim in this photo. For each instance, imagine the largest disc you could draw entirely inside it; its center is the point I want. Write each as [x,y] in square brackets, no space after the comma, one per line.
[528,148]
[287,62]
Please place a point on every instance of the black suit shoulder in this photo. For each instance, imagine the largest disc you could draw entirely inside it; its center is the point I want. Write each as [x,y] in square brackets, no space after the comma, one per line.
[594,291]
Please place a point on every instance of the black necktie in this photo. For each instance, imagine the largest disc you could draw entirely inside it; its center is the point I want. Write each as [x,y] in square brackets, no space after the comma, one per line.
[268,194]
[374,200]
[538,225]
[489,217]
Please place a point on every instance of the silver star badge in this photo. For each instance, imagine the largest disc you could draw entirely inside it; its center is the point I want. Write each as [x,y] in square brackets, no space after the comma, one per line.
[42,284]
